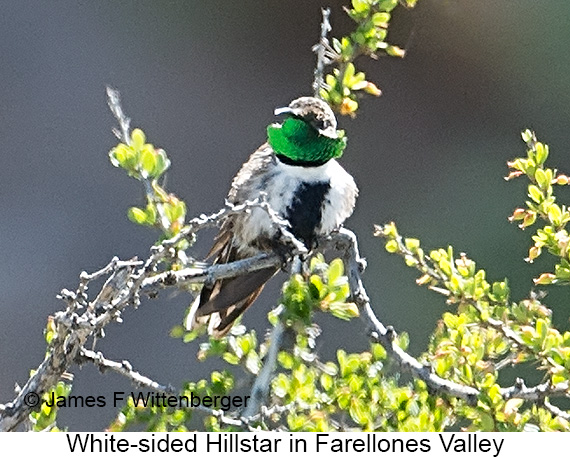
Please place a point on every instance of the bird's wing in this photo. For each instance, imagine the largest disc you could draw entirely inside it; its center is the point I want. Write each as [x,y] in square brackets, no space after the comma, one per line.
[252,174]
[222,302]
[248,179]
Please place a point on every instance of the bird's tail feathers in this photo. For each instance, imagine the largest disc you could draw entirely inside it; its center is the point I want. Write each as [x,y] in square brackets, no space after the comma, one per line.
[220,304]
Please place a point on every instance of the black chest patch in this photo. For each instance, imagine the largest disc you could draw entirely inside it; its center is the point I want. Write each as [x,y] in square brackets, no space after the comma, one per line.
[305,212]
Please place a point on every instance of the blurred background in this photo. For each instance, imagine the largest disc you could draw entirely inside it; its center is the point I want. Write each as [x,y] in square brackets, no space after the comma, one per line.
[202,79]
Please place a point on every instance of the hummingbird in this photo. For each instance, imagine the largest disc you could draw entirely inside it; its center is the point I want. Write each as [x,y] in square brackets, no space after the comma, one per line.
[303,183]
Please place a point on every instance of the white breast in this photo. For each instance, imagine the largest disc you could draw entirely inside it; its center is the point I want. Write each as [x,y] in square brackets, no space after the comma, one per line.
[280,187]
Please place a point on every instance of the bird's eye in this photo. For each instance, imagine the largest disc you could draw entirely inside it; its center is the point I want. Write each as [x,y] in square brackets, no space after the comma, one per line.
[317,122]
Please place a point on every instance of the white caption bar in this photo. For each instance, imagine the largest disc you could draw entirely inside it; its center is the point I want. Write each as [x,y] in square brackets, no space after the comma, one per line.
[274,443]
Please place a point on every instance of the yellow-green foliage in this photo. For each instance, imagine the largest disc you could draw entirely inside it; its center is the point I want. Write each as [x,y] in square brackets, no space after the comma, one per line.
[344,85]
[484,330]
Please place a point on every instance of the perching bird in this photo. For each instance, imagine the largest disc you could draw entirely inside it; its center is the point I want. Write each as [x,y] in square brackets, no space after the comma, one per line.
[303,183]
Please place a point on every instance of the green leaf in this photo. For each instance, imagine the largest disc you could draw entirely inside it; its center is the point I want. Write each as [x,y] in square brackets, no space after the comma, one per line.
[286,360]
[529,219]
[450,320]
[137,215]
[403,340]
[252,363]
[526,135]
[535,193]
[387,5]
[245,344]
[541,329]
[281,385]
[487,422]
[445,267]
[175,210]
[190,336]
[138,139]
[378,351]
[548,278]
[177,331]
[348,75]
[360,5]
[336,270]
[148,161]
[118,155]
[467,373]
[395,51]
[162,163]
[392,246]
[318,286]
[381,19]
[541,153]
[327,381]
[151,213]
[541,179]
[358,411]
[231,358]
[554,214]
[345,311]
[412,244]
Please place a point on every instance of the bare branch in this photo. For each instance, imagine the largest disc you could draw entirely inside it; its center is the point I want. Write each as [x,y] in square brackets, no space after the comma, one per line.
[536,393]
[198,275]
[114,102]
[83,320]
[555,410]
[124,368]
[321,50]
[260,389]
[346,242]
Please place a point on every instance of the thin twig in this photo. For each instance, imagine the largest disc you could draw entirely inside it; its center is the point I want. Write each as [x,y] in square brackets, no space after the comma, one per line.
[123,368]
[82,320]
[535,393]
[114,102]
[346,241]
[555,410]
[129,278]
[321,49]
[260,388]
[386,335]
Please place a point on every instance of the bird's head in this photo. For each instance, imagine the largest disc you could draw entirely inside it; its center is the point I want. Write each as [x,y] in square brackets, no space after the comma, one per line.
[308,136]
[315,112]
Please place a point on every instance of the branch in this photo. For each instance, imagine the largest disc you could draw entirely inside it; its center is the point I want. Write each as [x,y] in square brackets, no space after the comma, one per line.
[245,421]
[428,267]
[83,320]
[114,102]
[123,368]
[321,49]
[204,221]
[260,388]
[555,410]
[536,393]
[346,242]
[122,133]
[386,337]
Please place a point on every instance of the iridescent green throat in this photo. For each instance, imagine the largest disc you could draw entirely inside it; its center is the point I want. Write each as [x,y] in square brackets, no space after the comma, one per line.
[301,144]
